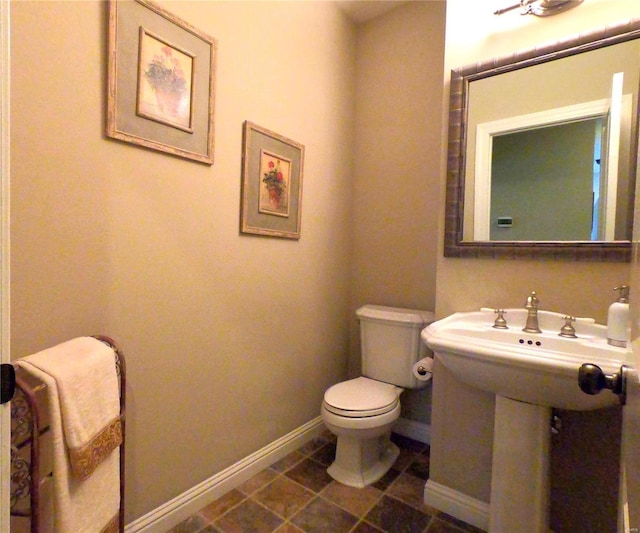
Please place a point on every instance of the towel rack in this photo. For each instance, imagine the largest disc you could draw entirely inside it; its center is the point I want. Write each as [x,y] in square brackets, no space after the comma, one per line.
[30,466]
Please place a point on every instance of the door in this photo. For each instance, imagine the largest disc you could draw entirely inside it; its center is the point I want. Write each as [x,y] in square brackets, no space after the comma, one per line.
[5,409]
[629,509]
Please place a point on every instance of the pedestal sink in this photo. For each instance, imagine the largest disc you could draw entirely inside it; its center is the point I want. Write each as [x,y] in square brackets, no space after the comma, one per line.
[530,373]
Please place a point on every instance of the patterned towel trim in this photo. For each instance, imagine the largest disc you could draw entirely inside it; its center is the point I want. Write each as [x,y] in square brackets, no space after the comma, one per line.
[84,460]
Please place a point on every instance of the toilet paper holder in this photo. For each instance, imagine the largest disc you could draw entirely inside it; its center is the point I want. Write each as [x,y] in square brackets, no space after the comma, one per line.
[423,369]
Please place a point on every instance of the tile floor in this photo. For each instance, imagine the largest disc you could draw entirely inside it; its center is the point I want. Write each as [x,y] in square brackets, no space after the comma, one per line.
[296,495]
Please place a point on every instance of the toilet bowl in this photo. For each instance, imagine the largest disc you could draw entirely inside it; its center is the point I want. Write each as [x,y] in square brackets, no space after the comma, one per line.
[361,412]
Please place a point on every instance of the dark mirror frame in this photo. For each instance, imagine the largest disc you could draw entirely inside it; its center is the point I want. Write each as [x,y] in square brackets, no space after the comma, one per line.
[454,246]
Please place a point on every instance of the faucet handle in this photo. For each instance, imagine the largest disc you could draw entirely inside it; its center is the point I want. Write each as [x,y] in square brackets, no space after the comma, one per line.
[532,300]
[500,322]
[568,330]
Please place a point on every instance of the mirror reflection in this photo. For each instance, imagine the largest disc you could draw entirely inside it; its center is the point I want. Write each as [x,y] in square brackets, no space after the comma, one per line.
[535,168]
[533,173]
[543,150]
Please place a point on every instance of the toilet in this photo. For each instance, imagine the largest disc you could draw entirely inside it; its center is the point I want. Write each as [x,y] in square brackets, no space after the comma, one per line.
[361,412]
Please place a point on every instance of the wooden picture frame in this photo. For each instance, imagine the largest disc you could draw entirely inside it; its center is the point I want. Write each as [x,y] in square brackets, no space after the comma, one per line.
[161,81]
[272,168]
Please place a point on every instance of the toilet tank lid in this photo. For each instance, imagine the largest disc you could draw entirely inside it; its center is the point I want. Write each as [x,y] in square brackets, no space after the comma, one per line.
[396,314]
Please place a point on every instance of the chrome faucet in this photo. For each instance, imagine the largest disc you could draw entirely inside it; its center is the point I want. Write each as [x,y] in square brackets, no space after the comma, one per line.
[532,314]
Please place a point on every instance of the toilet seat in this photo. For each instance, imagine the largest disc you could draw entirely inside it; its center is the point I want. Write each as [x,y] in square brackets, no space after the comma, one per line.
[361,397]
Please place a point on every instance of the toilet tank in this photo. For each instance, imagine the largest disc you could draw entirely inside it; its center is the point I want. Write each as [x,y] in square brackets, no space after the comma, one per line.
[391,344]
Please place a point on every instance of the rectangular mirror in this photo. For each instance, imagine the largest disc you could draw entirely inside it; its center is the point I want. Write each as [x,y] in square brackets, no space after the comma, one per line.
[543,151]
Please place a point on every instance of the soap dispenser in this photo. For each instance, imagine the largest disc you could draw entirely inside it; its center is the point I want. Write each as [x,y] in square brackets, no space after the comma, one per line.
[618,319]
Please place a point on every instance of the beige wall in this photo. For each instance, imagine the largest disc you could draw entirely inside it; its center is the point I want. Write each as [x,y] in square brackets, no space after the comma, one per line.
[398,116]
[463,416]
[230,340]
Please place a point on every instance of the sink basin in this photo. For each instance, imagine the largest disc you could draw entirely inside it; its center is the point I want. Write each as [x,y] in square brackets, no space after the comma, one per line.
[538,368]
[529,374]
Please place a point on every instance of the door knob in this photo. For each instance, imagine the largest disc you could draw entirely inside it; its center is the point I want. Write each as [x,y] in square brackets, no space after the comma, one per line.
[592,380]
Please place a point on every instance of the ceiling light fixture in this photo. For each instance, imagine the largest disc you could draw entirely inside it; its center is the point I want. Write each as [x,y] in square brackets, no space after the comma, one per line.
[540,8]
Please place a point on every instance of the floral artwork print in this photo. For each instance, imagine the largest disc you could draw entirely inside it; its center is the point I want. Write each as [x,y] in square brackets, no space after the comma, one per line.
[164,82]
[275,172]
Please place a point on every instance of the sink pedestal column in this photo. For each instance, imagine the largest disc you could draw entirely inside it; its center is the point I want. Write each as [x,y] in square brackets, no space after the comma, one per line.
[520,468]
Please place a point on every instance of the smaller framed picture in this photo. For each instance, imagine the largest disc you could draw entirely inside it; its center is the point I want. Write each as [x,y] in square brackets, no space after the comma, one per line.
[271,183]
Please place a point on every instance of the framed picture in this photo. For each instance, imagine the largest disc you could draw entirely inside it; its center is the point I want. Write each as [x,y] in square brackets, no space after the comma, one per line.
[161,81]
[271,183]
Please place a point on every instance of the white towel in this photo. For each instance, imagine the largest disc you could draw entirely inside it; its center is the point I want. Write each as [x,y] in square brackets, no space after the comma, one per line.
[82,389]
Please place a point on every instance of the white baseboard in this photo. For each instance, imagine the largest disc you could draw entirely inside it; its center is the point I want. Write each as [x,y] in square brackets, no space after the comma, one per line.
[414,430]
[190,502]
[457,504]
